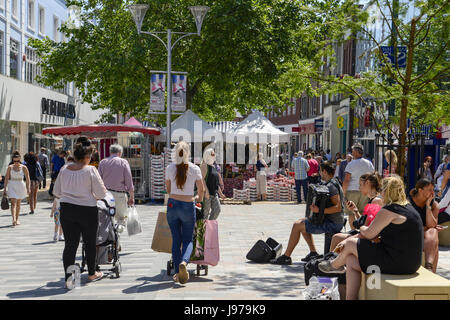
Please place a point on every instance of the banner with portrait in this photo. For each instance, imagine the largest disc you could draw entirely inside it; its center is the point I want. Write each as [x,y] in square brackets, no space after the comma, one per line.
[157,92]
[178,93]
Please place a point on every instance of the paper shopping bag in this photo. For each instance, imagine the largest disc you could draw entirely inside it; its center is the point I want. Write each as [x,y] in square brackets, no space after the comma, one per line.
[162,237]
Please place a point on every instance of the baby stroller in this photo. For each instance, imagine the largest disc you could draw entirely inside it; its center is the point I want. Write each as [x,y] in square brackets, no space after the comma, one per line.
[107,237]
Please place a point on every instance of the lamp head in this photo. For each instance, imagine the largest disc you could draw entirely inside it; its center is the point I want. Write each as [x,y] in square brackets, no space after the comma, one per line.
[199,13]
[138,11]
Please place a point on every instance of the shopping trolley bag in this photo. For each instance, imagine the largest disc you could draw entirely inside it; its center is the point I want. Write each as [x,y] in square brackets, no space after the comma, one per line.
[206,243]
[162,237]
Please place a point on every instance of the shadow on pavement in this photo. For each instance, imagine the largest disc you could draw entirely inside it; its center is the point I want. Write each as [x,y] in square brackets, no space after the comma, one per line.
[43,243]
[50,289]
[3,227]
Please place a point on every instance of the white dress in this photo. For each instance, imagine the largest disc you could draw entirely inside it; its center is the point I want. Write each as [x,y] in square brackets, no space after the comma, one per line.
[16,185]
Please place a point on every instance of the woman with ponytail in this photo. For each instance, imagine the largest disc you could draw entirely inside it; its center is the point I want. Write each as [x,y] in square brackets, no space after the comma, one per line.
[181,177]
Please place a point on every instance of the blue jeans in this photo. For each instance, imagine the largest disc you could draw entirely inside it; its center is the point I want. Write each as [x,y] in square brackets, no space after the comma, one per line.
[304,184]
[181,219]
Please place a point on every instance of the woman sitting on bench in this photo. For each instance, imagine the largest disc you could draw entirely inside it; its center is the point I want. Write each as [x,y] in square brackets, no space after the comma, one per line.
[369,186]
[393,242]
[422,199]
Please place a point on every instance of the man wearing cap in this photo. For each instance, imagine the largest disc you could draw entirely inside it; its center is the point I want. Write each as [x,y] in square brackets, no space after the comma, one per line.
[353,171]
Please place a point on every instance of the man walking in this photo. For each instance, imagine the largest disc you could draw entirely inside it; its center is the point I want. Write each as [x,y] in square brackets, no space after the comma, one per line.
[116,174]
[58,162]
[353,171]
[43,161]
[301,168]
[341,173]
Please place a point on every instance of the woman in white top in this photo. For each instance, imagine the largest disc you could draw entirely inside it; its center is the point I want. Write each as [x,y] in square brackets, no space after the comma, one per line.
[15,186]
[79,186]
[181,177]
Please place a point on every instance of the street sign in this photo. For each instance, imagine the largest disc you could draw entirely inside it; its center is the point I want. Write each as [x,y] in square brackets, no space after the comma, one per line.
[388,51]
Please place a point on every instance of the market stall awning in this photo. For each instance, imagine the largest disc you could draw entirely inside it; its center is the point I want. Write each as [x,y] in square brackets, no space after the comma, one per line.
[257,127]
[98,130]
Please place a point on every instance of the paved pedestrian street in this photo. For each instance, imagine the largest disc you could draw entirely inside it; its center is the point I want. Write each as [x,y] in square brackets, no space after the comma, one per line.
[31,263]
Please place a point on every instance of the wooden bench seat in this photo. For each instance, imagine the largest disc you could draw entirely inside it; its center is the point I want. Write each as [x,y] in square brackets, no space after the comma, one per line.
[423,285]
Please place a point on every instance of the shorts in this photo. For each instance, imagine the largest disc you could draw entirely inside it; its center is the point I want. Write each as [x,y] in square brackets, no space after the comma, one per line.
[359,199]
[34,184]
[56,218]
[326,227]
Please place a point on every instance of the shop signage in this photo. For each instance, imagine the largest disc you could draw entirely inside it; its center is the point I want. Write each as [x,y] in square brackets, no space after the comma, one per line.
[327,124]
[318,124]
[306,128]
[56,108]
[341,122]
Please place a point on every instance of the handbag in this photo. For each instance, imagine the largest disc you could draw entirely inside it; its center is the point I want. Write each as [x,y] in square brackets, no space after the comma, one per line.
[5,202]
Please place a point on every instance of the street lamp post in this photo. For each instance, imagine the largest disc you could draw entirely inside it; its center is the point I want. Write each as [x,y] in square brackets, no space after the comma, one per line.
[199,12]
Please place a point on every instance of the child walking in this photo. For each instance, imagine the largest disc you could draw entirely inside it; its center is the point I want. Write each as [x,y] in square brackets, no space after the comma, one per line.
[56,209]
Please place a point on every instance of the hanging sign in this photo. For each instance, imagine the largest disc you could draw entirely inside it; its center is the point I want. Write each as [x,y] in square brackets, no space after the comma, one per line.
[157,92]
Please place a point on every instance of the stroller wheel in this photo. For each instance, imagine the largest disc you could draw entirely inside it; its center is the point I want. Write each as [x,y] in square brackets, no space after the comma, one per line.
[198,270]
[206,270]
[118,269]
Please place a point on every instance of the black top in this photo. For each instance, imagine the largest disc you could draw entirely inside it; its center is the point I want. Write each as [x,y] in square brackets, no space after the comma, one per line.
[259,165]
[212,180]
[404,241]
[32,167]
[338,217]
[422,211]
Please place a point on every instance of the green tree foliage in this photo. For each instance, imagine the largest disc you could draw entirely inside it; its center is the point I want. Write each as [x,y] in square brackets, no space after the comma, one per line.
[235,64]
[420,90]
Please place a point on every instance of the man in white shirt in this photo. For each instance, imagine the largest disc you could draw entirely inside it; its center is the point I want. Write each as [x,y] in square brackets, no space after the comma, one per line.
[353,171]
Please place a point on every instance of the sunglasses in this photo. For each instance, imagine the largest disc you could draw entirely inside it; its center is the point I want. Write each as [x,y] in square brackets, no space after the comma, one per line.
[16,161]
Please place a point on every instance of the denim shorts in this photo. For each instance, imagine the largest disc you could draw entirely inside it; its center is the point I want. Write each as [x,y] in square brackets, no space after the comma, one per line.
[326,227]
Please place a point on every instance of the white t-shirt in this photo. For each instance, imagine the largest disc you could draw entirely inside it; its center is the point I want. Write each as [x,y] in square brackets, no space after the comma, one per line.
[193,174]
[357,168]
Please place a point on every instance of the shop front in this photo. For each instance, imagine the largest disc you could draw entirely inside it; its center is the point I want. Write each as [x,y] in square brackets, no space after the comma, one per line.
[306,132]
[25,109]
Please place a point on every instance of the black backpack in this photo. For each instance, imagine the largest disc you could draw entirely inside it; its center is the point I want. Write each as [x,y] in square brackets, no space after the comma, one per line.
[318,194]
[312,268]
[263,252]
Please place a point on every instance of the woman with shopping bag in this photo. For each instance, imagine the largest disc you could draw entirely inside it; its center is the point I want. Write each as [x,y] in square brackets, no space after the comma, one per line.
[181,177]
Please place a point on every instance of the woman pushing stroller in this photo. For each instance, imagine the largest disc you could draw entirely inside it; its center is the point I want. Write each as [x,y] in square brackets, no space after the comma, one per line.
[181,177]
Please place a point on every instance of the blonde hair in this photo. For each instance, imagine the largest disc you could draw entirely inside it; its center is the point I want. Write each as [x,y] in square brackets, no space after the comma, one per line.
[338,161]
[182,153]
[394,191]
[391,157]
[207,155]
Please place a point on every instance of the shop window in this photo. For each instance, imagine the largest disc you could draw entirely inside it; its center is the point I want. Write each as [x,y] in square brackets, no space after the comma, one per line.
[14,59]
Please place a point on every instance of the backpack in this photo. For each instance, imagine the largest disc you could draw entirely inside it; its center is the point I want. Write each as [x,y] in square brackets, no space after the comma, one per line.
[318,194]
[263,252]
[312,268]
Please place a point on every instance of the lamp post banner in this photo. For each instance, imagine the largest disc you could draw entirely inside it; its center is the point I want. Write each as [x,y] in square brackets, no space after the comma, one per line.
[157,92]
[178,93]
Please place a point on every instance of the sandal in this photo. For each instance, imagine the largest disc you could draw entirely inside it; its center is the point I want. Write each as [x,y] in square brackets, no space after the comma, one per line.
[99,277]
[428,266]
[17,223]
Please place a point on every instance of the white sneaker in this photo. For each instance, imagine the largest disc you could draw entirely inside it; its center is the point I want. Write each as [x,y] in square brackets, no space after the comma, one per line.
[61,238]
[55,237]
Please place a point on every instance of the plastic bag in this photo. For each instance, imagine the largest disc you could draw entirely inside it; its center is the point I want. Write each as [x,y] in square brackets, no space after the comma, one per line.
[133,224]
[322,288]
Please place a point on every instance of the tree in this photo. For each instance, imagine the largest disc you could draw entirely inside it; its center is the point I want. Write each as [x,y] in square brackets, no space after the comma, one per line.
[420,90]
[234,65]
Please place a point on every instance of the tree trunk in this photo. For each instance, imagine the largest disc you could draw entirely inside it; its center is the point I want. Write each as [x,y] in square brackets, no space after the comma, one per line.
[405,101]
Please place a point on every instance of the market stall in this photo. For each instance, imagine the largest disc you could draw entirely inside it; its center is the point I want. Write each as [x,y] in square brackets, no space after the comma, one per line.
[253,135]
[132,136]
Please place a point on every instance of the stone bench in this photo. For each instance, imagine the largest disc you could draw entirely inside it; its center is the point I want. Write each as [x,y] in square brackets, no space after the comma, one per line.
[444,235]
[423,285]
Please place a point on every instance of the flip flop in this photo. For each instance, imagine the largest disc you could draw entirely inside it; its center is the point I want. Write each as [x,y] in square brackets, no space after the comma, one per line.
[98,278]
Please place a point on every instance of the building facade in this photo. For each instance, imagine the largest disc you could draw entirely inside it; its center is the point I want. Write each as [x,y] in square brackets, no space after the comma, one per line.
[27,107]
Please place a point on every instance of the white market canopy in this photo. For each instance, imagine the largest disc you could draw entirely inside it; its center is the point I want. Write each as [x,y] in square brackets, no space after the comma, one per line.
[191,128]
[256,128]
